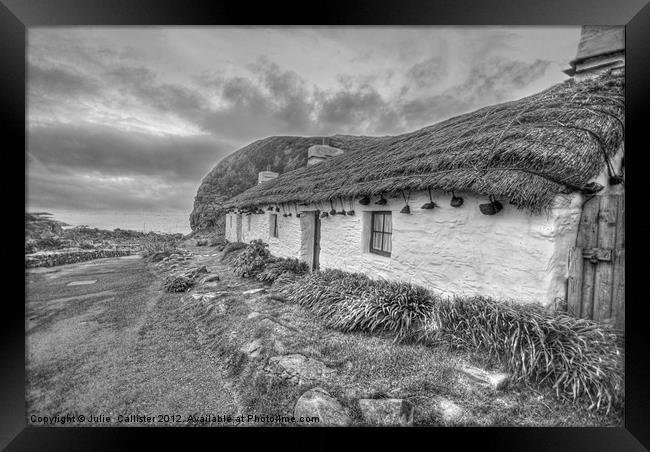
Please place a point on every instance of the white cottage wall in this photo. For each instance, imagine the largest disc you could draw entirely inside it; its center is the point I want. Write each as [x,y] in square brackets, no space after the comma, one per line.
[459,251]
[452,251]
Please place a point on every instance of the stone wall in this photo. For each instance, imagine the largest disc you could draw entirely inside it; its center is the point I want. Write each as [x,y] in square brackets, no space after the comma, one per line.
[70,257]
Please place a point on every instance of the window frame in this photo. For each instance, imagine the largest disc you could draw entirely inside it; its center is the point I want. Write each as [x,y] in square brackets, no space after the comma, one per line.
[273,226]
[384,213]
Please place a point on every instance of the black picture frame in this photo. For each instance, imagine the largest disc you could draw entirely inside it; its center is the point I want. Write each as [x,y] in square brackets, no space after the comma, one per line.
[18,15]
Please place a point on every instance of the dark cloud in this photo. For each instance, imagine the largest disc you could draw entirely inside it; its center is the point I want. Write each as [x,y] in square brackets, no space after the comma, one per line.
[427,73]
[111,151]
[496,78]
[90,166]
[59,81]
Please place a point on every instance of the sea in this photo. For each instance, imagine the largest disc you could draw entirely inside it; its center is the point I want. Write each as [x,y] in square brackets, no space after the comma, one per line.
[172,222]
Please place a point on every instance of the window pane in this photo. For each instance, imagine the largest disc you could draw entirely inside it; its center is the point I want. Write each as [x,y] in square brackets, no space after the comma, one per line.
[388,226]
[379,218]
[388,243]
[376,240]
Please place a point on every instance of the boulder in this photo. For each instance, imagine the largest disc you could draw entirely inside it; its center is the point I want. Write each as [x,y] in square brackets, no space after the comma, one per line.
[387,412]
[319,403]
[449,411]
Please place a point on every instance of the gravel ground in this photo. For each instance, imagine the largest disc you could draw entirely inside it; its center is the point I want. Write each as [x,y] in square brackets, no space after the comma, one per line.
[114,347]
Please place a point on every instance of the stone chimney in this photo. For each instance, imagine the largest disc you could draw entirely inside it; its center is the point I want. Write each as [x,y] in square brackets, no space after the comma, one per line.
[263,176]
[600,48]
[320,152]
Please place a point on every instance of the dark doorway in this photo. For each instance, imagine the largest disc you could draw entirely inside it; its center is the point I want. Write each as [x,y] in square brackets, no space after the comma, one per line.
[316,263]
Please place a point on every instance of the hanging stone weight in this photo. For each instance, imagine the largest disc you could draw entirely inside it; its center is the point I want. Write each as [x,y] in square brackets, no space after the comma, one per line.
[491,208]
[364,201]
[456,201]
[405,209]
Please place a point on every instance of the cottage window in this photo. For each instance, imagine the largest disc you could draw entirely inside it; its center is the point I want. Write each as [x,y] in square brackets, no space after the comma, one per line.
[381,233]
[273,225]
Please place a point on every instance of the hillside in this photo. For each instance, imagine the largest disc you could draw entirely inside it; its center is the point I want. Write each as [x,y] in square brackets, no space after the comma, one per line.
[239,171]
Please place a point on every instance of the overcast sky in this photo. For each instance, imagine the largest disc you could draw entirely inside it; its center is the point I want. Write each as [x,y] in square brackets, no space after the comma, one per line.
[131,119]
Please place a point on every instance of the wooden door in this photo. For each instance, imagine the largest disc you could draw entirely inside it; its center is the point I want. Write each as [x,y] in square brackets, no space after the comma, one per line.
[596,286]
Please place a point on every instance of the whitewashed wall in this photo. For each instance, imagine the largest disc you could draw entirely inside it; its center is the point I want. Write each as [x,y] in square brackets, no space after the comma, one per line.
[456,251]
[452,251]
[287,244]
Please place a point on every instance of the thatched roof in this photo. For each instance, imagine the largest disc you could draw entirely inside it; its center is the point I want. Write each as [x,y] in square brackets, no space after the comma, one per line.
[526,151]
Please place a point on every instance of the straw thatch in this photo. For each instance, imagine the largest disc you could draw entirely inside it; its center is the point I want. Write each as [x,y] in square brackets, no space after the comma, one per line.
[526,151]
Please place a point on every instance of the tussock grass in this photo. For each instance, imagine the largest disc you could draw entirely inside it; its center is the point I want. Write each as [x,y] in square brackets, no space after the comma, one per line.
[252,259]
[278,266]
[578,358]
[230,249]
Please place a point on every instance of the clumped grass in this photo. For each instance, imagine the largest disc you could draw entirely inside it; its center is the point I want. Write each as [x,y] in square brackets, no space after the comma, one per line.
[178,284]
[278,266]
[252,259]
[352,301]
[578,358]
[230,249]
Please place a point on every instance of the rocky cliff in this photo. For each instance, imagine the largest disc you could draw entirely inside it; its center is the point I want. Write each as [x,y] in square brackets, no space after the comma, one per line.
[239,170]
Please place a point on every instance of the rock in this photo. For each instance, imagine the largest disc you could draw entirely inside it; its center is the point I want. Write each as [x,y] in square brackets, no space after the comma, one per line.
[448,410]
[300,368]
[491,380]
[279,347]
[252,349]
[210,278]
[252,291]
[82,283]
[253,315]
[319,403]
[389,412]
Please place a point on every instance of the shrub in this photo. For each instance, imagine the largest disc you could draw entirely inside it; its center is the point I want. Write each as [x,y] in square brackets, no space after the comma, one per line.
[178,283]
[578,358]
[202,242]
[231,248]
[278,266]
[252,259]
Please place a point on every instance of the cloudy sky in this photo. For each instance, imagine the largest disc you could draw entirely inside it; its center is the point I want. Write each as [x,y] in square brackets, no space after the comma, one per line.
[131,119]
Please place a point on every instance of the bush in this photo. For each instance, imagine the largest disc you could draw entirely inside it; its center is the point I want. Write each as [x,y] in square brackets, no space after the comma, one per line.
[252,259]
[178,283]
[231,248]
[578,358]
[278,266]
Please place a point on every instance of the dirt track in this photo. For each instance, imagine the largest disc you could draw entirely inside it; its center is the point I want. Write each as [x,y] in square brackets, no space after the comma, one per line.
[115,346]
